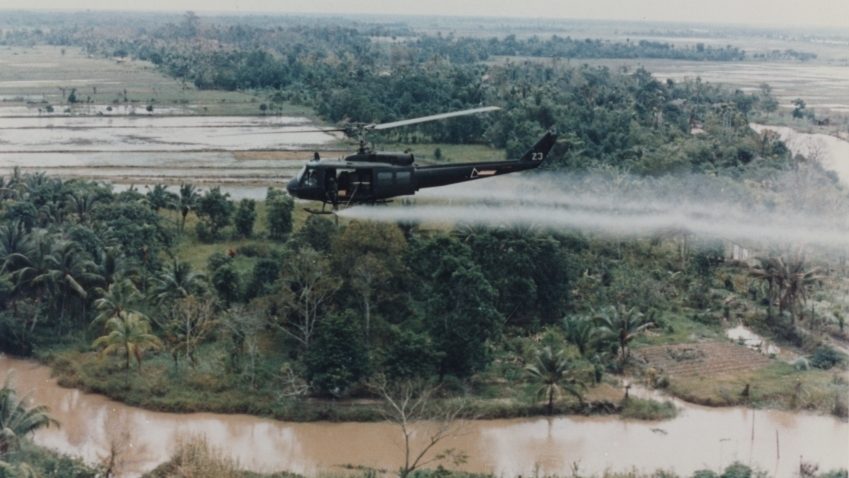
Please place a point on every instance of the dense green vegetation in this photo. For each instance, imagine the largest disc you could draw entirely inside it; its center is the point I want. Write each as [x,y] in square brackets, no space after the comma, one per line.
[285,312]
[189,301]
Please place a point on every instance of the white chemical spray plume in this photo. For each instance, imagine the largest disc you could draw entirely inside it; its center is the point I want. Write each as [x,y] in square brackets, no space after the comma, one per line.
[793,209]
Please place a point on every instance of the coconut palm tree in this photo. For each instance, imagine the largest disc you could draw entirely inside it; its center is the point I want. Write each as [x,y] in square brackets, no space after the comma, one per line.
[581,332]
[72,273]
[121,298]
[177,281]
[622,326]
[768,270]
[129,335]
[159,197]
[56,269]
[186,201]
[17,420]
[29,269]
[82,201]
[12,239]
[788,282]
[554,374]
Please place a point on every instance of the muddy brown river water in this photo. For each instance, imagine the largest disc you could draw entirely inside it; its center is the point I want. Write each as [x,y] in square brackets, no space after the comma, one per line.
[700,437]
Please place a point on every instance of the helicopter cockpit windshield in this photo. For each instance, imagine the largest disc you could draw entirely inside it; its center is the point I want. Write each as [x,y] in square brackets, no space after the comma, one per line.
[308,177]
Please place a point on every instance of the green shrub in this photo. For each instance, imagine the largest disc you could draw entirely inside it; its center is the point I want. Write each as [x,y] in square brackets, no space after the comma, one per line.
[254,249]
[279,206]
[825,357]
[648,409]
[705,474]
[337,358]
[801,364]
[245,217]
[739,470]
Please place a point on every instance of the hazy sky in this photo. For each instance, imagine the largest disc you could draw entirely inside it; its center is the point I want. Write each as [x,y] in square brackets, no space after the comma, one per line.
[777,12]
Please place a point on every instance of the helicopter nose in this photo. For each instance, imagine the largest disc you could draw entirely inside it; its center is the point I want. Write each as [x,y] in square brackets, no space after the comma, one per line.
[292,187]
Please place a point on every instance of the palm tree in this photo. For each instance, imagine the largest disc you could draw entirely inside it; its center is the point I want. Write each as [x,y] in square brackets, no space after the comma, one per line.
[111,265]
[82,201]
[787,281]
[554,374]
[580,332]
[767,270]
[161,198]
[16,419]
[177,281]
[56,269]
[72,272]
[622,325]
[12,239]
[29,269]
[120,299]
[186,201]
[129,335]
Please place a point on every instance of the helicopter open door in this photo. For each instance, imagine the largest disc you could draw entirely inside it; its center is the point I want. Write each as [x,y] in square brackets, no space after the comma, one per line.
[353,184]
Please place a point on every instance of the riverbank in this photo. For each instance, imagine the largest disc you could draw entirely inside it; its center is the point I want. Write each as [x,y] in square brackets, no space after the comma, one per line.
[91,424]
[825,148]
[777,386]
[157,388]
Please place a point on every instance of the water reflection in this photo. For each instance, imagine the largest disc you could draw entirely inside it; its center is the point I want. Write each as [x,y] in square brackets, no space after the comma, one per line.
[700,437]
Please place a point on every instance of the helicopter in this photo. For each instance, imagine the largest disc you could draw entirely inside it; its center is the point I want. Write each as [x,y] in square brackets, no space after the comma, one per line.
[369,177]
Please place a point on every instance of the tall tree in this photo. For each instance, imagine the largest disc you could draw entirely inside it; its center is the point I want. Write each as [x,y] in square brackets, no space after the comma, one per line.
[338,357]
[186,201]
[279,207]
[459,314]
[245,217]
[307,286]
[188,323]
[215,211]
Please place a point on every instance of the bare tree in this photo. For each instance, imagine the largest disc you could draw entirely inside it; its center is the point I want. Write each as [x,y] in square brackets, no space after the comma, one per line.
[369,274]
[423,421]
[241,330]
[193,320]
[308,283]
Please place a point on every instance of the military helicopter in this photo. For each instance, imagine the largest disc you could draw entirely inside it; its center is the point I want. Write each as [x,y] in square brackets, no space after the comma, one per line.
[373,177]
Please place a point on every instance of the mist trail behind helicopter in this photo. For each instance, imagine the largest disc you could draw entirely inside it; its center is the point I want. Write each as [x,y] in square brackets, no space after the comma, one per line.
[788,212]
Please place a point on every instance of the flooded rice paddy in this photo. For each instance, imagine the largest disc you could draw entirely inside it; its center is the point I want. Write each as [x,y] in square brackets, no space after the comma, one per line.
[160,133]
[824,87]
[248,153]
[699,438]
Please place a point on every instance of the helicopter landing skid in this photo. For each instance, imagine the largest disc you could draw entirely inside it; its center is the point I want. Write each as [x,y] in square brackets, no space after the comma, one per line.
[316,211]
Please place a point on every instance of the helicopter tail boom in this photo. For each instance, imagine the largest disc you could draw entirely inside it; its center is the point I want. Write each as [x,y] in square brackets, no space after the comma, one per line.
[540,150]
[442,175]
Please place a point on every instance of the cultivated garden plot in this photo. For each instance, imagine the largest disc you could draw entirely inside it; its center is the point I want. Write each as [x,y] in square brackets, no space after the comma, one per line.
[702,359]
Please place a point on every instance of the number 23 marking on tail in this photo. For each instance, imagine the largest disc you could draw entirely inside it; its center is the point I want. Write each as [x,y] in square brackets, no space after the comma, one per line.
[536,156]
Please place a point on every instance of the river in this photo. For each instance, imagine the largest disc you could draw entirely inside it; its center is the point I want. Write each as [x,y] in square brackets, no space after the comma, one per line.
[830,151]
[699,437]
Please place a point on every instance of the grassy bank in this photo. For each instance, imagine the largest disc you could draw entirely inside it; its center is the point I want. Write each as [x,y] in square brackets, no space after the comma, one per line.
[35,461]
[158,387]
[648,409]
[778,385]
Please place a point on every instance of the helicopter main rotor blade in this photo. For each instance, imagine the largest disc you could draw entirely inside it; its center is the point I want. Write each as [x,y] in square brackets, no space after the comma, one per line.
[425,119]
[291,131]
